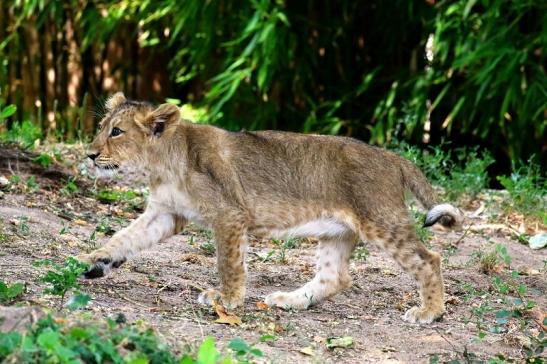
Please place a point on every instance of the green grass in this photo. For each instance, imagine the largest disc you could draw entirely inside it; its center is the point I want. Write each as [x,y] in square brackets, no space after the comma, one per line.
[9,293]
[24,133]
[462,172]
[112,196]
[527,189]
[70,187]
[134,200]
[44,159]
[361,252]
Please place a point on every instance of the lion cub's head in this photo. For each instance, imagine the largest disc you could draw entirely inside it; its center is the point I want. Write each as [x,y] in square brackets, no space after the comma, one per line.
[127,130]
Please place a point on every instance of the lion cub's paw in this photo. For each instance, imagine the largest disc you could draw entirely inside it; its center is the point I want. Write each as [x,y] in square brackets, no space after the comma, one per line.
[422,315]
[101,263]
[288,300]
[211,296]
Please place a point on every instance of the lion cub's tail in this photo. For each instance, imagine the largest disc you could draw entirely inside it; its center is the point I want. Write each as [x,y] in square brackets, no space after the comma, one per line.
[446,214]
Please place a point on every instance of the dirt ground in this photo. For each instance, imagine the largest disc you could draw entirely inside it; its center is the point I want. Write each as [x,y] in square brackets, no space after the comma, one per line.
[161,285]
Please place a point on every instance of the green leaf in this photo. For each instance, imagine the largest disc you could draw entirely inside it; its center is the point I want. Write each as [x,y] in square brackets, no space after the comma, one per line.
[468,7]
[44,160]
[9,342]
[239,346]
[187,359]
[339,342]
[8,293]
[77,301]
[207,353]
[8,111]
[48,339]
[139,360]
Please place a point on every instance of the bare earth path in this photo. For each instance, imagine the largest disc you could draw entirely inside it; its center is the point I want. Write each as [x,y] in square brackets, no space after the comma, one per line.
[161,285]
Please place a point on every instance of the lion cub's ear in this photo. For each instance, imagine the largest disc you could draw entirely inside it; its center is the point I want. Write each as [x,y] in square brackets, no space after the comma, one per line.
[115,100]
[155,122]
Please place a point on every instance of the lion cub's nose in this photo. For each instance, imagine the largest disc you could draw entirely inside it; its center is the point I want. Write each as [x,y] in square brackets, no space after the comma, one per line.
[92,156]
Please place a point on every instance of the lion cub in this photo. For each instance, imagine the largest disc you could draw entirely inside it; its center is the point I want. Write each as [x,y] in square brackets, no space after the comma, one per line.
[268,184]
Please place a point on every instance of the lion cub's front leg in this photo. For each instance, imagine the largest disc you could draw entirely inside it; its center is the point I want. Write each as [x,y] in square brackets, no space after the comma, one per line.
[231,240]
[148,229]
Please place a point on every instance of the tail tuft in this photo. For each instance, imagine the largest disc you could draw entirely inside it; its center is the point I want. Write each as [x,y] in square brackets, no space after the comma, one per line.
[446,214]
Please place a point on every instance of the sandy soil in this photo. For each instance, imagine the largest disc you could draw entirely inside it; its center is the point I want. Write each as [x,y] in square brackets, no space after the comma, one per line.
[161,285]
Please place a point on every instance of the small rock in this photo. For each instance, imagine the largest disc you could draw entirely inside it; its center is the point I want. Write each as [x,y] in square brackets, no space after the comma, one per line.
[308,350]
[538,241]
[18,318]
[3,181]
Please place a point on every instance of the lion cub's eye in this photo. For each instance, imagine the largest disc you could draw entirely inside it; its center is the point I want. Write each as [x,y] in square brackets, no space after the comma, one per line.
[116,132]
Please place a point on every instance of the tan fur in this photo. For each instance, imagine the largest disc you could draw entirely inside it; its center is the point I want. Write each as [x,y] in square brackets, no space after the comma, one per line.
[268,183]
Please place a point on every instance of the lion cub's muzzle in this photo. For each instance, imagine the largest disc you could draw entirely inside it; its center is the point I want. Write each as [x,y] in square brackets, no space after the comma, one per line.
[102,163]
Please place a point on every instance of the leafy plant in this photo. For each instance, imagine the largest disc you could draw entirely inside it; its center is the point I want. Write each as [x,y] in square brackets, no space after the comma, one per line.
[8,293]
[361,252]
[243,351]
[134,200]
[505,307]
[111,196]
[70,187]
[6,112]
[464,174]
[24,133]
[208,248]
[32,185]
[44,160]
[527,189]
[14,179]
[493,261]
[110,341]
[63,279]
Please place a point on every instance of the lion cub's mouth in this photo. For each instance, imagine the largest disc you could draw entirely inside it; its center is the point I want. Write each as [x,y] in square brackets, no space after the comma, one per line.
[107,167]
[106,171]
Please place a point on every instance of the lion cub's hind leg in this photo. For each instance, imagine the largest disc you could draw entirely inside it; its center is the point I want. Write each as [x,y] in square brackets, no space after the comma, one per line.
[332,275]
[401,241]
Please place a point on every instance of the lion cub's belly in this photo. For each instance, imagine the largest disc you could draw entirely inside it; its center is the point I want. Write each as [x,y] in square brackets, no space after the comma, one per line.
[322,227]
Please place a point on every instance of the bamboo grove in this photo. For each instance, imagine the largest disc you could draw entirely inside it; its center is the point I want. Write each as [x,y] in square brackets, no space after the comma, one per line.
[468,71]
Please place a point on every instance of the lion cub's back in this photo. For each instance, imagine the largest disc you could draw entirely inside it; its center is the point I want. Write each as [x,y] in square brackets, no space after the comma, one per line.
[314,166]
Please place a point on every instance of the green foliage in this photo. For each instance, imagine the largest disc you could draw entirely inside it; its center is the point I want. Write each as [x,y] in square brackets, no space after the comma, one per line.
[130,200]
[32,185]
[44,160]
[472,71]
[25,133]
[282,246]
[491,262]
[504,306]
[463,174]
[9,293]
[484,79]
[57,341]
[70,187]
[527,189]
[243,351]
[423,233]
[63,279]
[6,112]
[361,252]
